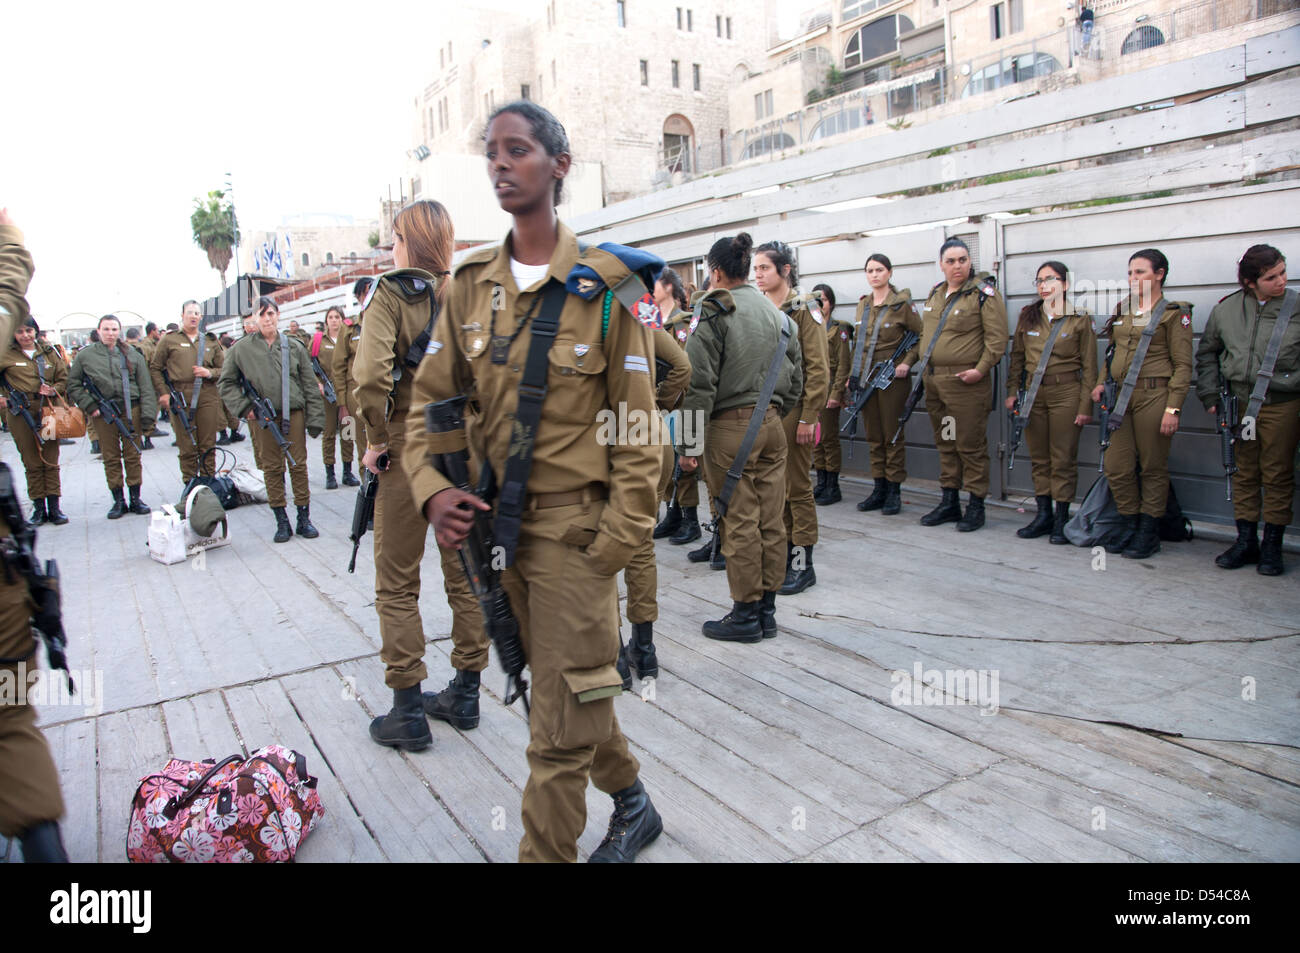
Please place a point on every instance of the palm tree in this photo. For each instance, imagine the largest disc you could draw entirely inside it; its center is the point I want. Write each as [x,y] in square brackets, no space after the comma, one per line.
[215,230]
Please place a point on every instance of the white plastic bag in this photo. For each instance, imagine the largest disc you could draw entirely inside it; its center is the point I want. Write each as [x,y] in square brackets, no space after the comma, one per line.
[167,536]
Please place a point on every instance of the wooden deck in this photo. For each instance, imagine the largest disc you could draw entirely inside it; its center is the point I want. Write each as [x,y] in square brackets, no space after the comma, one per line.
[1121,732]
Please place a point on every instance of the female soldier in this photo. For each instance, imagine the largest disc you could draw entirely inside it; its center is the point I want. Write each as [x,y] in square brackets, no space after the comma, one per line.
[35,370]
[883,318]
[777,277]
[1237,339]
[271,361]
[731,351]
[1054,347]
[826,455]
[401,314]
[1149,398]
[682,522]
[325,356]
[571,541]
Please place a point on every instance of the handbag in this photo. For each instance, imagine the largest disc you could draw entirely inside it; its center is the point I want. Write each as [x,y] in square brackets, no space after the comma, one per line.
[236,811]
[61,420]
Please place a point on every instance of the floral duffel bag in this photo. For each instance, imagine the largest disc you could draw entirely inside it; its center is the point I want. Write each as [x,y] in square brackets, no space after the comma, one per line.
[236,811]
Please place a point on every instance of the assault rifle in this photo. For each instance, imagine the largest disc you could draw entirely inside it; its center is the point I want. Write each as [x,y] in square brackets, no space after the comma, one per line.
[265,415]
[914,398]
[475,553]
[108,410]
[20,405]
[1109,394]
[330,394]
[363,513]
[178,407]
[1018,422]
[879,377]
[1228,417]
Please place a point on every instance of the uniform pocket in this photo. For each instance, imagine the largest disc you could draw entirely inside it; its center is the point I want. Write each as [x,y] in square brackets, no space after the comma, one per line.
[576,384]
[587,712]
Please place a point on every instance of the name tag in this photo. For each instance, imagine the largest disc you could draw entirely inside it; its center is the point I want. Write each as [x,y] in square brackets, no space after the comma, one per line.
[928,308]
[1032,334]
[185,344]
[20,363]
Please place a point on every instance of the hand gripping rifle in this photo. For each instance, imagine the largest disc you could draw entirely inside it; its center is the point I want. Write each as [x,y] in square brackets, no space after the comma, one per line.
[364,510]
[1018,421]
[1109,394]
[330,394]
[1228,417]
[20,405]
[880,377]
[108,410]
[19,552]
[178,407]
[265,415]
[447,416]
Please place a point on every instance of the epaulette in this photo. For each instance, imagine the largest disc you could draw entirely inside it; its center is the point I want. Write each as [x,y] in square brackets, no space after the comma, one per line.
[863,298]
[479,256]
[1228,295]
[941,284]
[413,284]
[707,305]
[987,285]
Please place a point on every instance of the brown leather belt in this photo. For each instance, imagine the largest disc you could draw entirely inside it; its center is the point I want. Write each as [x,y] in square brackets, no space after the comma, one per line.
[545,501]
[948,368]
[1069,377]
[740,413]
[1151,383]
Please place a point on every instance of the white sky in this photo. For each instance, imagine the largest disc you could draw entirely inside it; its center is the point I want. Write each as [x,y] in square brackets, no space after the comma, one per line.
[116,116]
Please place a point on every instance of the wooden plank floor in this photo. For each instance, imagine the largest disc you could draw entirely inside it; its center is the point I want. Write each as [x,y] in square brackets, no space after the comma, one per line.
[1143,711]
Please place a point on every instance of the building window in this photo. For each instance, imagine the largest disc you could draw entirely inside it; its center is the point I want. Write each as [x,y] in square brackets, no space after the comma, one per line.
[719,27]
[679,18]
[645,72]
[855,8]
[874,40]
[695,76]
[524,92]
[305,261]
[539,87]
[622,13]
[728,28]
[1006,18]
[763,104]
[1010,70]
[329,258]
[441,54]
[677,79]
[690,21]
[553,73]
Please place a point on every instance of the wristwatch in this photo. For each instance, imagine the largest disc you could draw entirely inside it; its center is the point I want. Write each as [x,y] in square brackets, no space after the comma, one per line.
[1173,410]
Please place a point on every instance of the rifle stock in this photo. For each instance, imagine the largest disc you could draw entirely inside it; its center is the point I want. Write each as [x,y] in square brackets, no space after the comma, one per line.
[108,410]
[330,394]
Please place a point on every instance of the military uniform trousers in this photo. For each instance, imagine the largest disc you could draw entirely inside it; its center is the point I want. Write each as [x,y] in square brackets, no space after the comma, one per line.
[333,428]
[1265,465]
[1138,442]
[963,460]
[753,538]
[400,535]
[207,420]
[232,422]
[568,617]
[1054,440]
[642,572]
[351,418]
[119,453]
[29,781]
[800,513]
[880,414]
[272,463]
[688,484]
[826,455]
[40,463]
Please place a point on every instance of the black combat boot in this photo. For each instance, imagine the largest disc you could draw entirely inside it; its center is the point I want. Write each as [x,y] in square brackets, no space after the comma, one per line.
[820,488]
[305,529]
[223,438]
[948,510]
[620,664]
[457,704]
[94,448]
[974,517]
[671,521]
[634,824]
[235,435]
[43,845]
[1270,550]
[1146,541]
[331,481]
[405,726]
[1244,550]
[348,478]
[767,615]
[1041,524]
[52,511]
[831,494]
[893,499]
[158,431]
[282,529]
[1059,519]
[38,511]
[641,650]
[138,505]
[797,580]
[719,562]
[877,498]
[741,624]
[148,443]
[119,503]
[703,554]
[689,530]
[1130,530]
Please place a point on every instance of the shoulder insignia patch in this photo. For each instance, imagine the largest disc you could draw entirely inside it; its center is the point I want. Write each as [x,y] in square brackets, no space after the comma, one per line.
[844,335]
[647,312]
[682,334]
[1187,320]
[588,286]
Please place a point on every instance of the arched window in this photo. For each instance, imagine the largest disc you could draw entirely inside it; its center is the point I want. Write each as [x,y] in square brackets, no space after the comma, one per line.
[1143,38]
[838,122]
[305,262]
[771,142]
[1011,69]
[678,133]
[329,258]
[876,39]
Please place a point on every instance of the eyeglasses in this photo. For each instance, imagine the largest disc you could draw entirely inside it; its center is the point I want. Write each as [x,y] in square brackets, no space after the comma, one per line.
[1045,281]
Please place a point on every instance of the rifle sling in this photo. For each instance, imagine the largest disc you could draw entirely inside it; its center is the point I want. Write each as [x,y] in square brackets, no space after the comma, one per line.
[198,381]
[284,384]
[756,418]
[126,391]
[919,370]
[1284,315]
[1042,366]
[528,416]
[1135,366]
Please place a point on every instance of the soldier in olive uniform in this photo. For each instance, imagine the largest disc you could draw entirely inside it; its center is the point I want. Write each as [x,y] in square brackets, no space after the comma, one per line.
[731,350]
[681,524]
[260,358]
[588,504]
[777,277]
[1237,338]
[192,360]
[345,355]
[839,350]
[229,432]
[36,371]
[329,341]
[1146,414]
[401,315]
[883,319]
[958,392]
[1063,402]
[298,334]
[122,377]
[30,801]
